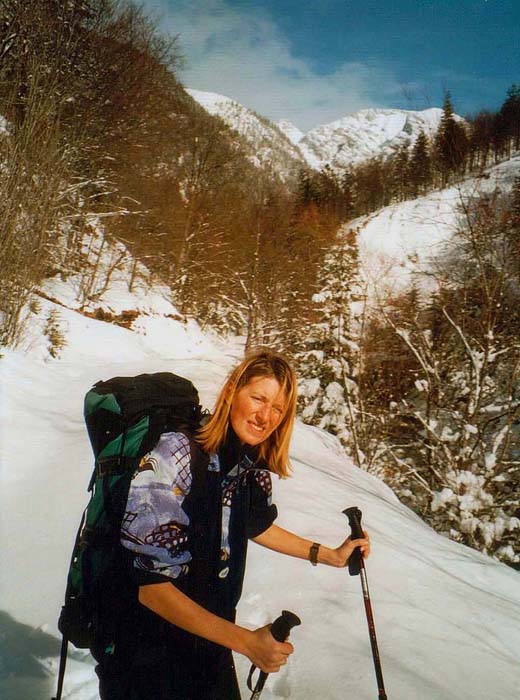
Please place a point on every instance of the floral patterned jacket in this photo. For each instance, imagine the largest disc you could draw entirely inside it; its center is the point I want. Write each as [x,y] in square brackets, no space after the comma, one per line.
[189,517]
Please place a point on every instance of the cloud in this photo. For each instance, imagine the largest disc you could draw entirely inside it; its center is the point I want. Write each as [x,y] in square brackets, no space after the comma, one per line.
[241,53]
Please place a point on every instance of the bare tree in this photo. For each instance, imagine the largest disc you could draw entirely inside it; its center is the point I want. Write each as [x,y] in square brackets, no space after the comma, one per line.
[452,439]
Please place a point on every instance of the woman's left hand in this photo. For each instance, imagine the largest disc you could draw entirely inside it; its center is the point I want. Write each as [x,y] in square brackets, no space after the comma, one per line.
[342,554]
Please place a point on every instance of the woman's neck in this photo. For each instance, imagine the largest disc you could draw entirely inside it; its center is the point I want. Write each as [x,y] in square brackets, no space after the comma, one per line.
[233,450]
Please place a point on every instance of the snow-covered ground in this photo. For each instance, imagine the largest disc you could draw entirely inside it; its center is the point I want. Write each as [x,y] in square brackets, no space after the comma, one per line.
[398,242]
[447,617]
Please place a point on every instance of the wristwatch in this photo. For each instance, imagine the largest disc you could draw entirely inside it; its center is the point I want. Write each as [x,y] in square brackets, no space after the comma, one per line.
[313,553]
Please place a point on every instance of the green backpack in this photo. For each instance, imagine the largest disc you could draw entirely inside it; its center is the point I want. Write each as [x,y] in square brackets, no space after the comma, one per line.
[124,417]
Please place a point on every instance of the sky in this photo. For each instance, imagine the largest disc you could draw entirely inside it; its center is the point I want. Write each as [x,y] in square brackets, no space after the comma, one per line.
[312,62]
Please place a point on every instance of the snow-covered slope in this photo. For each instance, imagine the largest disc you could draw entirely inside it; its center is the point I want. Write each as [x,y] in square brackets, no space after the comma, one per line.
[366,134]
[398,242]
[270,146]
[447,617]
[290,130]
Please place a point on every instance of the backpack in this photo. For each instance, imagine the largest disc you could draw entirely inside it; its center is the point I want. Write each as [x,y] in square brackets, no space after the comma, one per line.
[125,417]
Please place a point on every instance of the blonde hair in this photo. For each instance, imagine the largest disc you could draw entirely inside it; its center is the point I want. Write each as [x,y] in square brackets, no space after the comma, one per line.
[275,449]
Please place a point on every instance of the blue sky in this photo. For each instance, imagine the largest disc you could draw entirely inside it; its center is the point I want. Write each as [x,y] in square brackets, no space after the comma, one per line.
[313,62]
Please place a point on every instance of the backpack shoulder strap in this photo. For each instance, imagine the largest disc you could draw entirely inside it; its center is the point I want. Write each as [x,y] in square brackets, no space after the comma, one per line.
[199,461]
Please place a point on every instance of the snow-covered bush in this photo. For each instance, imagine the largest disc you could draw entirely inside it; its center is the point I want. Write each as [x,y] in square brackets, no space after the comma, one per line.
[55,334]
[453,448]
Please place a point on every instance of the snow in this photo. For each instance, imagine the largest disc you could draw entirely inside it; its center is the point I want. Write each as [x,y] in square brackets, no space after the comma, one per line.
[368,133]
[447,617]
[340,144]
[397,243]
[270,144]
[290,130]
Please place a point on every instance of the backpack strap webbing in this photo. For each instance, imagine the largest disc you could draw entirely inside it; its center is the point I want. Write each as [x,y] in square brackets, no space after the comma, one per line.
[115,465]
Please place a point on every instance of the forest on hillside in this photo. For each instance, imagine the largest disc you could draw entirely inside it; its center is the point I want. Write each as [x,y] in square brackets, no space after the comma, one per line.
[99,135]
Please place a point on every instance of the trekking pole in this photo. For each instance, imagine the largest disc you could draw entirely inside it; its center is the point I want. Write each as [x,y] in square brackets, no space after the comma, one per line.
[356,566]
[280,629]
[61,671]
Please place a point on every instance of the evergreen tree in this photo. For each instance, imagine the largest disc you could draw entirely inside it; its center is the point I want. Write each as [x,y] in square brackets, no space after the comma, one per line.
[451,143]
[373,185]
[452,440]
[348,195]
[328,362]
[510,118]
[400,173]
[420,166]
[329,194]
[306,189]
[481,139]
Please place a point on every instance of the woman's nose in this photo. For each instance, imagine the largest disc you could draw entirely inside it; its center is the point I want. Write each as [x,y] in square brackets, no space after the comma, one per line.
[263,413]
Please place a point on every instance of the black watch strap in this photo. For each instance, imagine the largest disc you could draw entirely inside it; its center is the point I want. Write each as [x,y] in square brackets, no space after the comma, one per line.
[313,553]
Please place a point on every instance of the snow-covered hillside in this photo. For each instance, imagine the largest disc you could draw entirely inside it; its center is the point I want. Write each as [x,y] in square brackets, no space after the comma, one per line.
[270,145]
[398,242]
[447,617]
[290,130]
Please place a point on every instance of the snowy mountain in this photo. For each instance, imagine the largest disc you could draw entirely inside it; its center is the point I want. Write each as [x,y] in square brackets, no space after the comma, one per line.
[270,145]
[447,617]
[290,130]
[339,144]
[366,134]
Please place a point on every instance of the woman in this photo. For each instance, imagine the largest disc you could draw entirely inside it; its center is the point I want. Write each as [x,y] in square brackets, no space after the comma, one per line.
[191,509]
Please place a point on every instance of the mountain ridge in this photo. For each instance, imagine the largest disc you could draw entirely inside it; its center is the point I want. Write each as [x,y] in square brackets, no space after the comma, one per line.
[347,141]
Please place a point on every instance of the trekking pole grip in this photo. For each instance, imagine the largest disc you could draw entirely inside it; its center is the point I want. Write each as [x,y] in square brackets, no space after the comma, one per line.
[282,626]
[355,561]
[280,630]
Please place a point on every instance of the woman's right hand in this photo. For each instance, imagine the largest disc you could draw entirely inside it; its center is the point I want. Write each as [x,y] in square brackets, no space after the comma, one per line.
[265,652]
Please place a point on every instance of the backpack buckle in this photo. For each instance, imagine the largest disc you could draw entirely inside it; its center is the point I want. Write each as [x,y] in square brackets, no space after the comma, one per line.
[109,466]
[103,467]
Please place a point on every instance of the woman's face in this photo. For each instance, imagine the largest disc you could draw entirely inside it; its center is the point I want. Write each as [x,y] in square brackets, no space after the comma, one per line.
[257,409]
